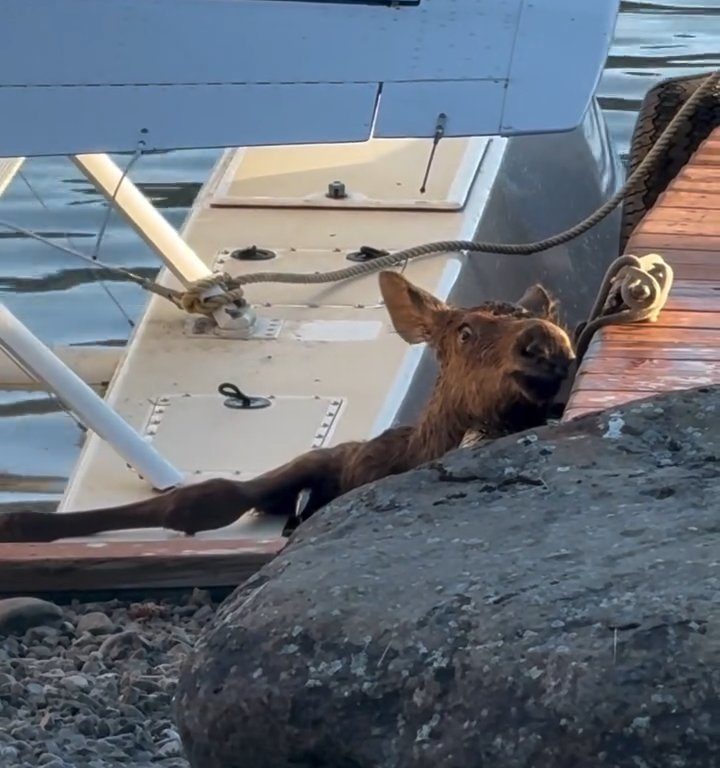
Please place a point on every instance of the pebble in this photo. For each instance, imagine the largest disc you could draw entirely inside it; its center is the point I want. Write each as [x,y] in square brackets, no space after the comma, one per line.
[96,623]
[76,682]
[92,685]
[121,645]
[8,753]
[18,614]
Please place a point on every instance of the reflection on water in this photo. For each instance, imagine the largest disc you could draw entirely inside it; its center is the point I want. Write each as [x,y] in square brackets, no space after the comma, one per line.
[655,39]
[62,301]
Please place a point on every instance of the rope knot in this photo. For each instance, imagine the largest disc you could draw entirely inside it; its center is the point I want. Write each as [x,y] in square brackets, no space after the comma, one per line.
[194,298]
[634,289]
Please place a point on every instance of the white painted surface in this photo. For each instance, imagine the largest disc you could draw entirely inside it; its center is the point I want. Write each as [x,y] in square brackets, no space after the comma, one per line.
[338,330]
[200,73]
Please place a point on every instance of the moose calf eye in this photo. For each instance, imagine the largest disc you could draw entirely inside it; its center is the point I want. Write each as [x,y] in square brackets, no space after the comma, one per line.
[465,333]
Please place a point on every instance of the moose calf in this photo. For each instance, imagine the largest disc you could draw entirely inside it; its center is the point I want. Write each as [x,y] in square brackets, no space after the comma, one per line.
[500,367]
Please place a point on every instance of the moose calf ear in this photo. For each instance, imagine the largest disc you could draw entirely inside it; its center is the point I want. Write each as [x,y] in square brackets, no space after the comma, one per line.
[540,303]
[413,311]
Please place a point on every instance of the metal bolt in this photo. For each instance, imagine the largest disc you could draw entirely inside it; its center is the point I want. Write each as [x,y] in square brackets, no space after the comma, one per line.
[336,190]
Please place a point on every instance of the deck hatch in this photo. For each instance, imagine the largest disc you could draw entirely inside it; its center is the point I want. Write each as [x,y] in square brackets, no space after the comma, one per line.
[185,427]
[299,176]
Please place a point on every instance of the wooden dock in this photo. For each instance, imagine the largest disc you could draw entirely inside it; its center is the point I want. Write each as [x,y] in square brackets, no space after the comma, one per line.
[682,349]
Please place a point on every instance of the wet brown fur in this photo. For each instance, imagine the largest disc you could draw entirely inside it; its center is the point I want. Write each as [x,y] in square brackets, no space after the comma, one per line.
[501,366]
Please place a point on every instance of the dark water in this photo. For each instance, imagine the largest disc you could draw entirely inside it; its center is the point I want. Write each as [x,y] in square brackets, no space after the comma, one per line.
[62,302]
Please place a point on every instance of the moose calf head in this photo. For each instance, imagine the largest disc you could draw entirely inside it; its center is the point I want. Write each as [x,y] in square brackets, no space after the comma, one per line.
[490,356]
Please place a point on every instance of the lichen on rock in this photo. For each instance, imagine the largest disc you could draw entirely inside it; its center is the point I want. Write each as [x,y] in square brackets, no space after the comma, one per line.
[547,600]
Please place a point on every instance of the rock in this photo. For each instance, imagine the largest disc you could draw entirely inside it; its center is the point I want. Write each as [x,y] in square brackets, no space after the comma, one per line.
[91,667]
[18,614]
[76,682]
[9,754]
[7,682]
[121,645]
[50,761]
[171,746]
[41,652]
[95,623]
[204,613]
[47,635]
[36,690]
[200,597]
[550,599]
[87,726]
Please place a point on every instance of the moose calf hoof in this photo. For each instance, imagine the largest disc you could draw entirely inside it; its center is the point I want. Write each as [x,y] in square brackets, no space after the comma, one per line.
[182,524]
[205,506]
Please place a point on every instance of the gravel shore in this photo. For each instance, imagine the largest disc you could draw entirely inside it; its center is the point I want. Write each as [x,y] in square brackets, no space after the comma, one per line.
[90,685]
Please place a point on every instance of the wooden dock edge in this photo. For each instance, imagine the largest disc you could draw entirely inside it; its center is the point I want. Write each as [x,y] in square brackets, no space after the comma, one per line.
[681,350]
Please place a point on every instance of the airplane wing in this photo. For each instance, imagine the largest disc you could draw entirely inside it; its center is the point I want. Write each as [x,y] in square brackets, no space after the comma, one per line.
[102,75]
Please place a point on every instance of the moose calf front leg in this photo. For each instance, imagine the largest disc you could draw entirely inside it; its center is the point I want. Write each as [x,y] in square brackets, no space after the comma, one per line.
[199,507]
[203,506]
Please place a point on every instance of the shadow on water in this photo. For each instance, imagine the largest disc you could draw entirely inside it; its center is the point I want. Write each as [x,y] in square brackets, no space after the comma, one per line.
[63,302]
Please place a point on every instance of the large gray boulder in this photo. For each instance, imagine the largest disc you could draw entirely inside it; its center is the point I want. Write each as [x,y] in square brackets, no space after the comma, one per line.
[549,600]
